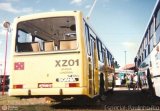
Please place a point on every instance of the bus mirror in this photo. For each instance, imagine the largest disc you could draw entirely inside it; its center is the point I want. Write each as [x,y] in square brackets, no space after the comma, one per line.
[6,24]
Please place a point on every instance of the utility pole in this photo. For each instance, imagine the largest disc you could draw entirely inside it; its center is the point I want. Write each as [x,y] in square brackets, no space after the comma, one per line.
[125,57]
[6,25]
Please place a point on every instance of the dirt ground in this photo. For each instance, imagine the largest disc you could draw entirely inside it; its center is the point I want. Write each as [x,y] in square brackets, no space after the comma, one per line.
[132,100]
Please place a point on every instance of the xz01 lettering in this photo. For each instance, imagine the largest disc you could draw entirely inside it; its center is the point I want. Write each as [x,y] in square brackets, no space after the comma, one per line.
[65,63]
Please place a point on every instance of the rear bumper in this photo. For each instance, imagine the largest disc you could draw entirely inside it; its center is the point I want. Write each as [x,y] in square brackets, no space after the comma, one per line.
[48,91]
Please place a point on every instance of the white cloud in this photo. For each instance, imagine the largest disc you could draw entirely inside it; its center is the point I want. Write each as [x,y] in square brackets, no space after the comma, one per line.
[9,8]
[128,44]
[77,2]
[53,10]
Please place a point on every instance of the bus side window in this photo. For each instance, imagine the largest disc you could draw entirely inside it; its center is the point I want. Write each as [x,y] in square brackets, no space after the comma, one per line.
[158,27]
[103,54]
[100,52]
[107,56]
[87,39]
[109,62]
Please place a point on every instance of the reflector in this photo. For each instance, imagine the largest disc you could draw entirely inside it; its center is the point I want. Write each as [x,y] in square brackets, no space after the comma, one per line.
[19,86]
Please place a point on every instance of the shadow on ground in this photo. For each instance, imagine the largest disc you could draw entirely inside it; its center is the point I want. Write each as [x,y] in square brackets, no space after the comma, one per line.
[112,98]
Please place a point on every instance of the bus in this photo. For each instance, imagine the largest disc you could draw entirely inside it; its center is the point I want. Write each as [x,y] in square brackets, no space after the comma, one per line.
[58,54]
[148,56]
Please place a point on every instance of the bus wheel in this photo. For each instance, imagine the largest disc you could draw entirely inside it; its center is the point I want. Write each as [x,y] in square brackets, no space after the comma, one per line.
[150,84]
[101,88]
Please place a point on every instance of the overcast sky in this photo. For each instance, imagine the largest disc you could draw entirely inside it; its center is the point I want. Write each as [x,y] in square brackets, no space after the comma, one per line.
[119,23]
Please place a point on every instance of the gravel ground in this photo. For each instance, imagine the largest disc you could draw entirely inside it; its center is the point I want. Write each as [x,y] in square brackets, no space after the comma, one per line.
[111,101]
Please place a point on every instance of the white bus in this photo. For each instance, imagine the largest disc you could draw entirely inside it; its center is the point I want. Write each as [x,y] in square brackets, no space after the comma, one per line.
[58,54]
[148,56]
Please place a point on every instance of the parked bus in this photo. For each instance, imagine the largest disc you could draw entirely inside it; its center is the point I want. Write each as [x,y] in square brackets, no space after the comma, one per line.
[58,54]
[148,56]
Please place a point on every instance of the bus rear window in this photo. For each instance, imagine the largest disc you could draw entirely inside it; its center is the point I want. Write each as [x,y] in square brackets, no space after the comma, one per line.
[46,34]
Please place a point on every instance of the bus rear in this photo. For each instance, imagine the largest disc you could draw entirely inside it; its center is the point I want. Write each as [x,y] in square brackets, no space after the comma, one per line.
[47,57]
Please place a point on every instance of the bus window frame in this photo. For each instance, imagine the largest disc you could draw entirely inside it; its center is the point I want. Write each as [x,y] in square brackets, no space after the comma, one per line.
[41,47]
[17,35]
[87,36]
[157,26]
[108,55]
[158,19]
[103,53]
[92,35]
[92,39]
[151,29]
[99,44]
[151,42]
[33,40]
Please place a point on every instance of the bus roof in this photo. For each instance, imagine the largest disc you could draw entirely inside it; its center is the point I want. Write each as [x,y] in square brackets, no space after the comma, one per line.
[47,14]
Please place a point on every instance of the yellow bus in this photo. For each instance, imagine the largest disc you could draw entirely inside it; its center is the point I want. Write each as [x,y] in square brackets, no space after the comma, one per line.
[58,54]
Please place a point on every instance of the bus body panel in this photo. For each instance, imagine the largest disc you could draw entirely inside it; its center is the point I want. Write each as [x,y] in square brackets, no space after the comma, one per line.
[156,84]
[62,66]
[46,71]
[48,92]
[155,70]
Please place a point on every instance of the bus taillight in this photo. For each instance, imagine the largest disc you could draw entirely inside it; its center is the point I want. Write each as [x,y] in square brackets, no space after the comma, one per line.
[18,86]
[72,85]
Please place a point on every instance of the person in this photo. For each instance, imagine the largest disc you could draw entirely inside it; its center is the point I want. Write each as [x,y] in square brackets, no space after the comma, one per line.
[145,80]
[132,81]
[128,81]
[135,82]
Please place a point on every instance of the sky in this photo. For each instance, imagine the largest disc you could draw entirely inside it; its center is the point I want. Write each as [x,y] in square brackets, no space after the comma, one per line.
[119,23]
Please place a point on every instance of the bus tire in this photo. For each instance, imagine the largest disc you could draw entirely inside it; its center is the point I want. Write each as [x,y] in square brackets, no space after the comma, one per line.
[150,84]
[101,88]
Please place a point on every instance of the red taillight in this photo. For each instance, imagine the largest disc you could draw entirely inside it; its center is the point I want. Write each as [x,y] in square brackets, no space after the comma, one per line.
[19,86]
[72,85]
